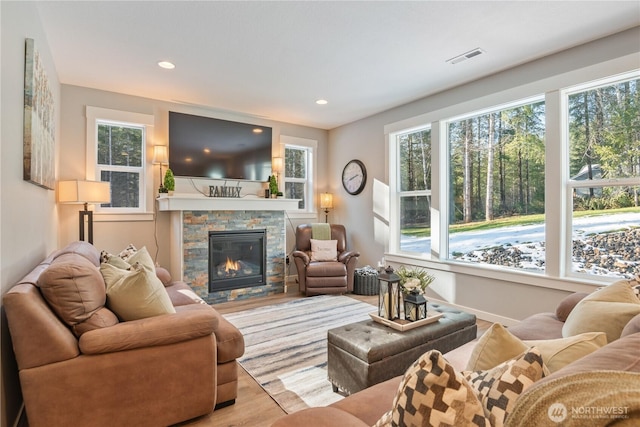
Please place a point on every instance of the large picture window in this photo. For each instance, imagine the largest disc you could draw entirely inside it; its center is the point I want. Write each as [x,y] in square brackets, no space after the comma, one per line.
[496,187]
[604,178]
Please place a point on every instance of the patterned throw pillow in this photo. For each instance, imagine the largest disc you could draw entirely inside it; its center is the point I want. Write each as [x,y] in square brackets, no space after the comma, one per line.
[499,388]
[123,255]
[433,393]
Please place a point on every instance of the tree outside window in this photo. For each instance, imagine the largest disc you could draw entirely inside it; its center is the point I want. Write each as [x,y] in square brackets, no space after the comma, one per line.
[120,151]
[414,168]
[497,162]
[296,174]
[604,178]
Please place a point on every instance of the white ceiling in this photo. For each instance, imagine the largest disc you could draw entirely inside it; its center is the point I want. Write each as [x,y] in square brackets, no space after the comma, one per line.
[274,59]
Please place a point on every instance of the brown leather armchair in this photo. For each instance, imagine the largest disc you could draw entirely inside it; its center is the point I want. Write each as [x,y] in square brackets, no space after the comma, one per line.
[324,277]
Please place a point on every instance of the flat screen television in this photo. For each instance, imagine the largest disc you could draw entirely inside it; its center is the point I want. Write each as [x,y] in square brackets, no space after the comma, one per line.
[204,147]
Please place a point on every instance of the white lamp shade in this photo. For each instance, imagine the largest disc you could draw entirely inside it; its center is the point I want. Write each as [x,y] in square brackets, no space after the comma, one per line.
[78,191]
[160,155]
[326,201]
[276,164]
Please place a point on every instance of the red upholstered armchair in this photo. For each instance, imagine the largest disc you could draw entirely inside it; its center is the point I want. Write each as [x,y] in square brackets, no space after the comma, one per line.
[324,277]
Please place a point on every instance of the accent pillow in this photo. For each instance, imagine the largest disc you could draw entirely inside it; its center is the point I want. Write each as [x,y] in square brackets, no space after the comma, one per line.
[567,304]
[75,290]
[606,310]
[324,250]
[499,388]
[124,254]
[433,393]
[136,293]
[494,347]
[498,345]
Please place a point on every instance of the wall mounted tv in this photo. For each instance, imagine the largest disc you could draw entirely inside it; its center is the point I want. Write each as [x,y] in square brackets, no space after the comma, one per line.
[204,147]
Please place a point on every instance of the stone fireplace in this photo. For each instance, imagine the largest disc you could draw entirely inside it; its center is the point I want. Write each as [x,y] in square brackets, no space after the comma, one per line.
[194,217]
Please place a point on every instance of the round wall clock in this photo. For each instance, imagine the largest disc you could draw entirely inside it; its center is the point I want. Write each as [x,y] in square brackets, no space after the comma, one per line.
[354,177]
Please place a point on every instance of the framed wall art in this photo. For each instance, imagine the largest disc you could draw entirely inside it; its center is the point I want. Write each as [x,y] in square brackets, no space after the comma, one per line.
[39,122]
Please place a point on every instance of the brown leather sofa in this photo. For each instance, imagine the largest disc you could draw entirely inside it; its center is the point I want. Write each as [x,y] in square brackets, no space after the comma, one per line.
[366,407]
[155,371]
[324,277]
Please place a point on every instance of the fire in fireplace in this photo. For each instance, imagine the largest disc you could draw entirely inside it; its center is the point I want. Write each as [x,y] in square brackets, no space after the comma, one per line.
[237,259]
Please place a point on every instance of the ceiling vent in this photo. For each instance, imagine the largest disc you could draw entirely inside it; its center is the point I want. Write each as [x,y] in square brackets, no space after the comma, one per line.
[467,55]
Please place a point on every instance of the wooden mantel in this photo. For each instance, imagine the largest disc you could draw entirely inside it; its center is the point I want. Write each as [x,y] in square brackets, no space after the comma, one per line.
[198,202]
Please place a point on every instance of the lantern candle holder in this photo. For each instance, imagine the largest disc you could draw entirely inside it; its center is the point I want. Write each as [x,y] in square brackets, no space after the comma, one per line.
[389,294]
[415,306]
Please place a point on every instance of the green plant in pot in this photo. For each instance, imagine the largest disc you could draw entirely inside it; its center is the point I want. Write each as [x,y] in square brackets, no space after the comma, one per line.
[169,182]
[273,186]
[414,280]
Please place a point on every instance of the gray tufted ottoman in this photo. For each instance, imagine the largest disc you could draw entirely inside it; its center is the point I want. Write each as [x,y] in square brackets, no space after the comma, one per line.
[366,353]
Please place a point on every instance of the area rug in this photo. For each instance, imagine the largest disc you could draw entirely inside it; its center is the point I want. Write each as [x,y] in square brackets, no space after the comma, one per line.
[286,346]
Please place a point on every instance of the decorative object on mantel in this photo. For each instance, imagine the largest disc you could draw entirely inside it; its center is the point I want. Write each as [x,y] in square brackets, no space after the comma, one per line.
[84,192]
[39,122]
[169,182]
[224,191]
[326,203]
[160,157]
[389,294]
[273,186]
[414,282]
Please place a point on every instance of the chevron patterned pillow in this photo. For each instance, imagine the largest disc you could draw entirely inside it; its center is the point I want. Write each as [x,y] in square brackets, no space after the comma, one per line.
[498,388]
[432,393]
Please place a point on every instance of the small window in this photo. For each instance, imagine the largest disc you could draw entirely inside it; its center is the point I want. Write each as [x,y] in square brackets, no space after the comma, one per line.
[117,144]
[414,192]
[298,171]
[120,162]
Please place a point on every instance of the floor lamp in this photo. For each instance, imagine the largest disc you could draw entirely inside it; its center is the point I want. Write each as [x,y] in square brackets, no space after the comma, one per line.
[326,203]
[84,192]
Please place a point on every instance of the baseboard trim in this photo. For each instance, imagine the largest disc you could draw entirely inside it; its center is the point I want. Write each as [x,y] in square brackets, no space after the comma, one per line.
[484,315]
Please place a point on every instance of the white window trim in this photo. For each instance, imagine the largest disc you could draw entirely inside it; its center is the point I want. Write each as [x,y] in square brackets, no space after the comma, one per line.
[552,278]
[310,210]
[93,116]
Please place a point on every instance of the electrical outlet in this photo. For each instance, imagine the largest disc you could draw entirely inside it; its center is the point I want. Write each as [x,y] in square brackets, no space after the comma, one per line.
[287,260]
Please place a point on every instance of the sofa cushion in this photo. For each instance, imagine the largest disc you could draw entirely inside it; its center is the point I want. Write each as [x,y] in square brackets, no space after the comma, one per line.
[608,310]
[567,304]
[632,327]
[498,345]
[494,347]
[136,293]
[75,291]
[324,250]
[499,388]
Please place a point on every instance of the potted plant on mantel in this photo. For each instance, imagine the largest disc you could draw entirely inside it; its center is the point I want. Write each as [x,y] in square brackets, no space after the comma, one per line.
[169,182]
[273,186]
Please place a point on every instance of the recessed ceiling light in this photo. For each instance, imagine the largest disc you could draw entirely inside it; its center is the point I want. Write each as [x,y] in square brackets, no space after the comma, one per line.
[257,130]
[322,102]
[166,65]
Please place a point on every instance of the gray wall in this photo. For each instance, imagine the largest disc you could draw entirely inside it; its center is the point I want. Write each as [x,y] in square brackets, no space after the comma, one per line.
[501,297]
[28,216]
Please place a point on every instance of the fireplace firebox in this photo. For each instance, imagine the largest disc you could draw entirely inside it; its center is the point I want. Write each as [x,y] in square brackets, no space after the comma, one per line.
[237,259]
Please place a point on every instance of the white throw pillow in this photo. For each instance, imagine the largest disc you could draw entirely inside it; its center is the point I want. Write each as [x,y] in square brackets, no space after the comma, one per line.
[324,250]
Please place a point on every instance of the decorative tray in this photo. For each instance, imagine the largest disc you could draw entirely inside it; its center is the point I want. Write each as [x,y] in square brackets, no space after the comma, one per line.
[405,325]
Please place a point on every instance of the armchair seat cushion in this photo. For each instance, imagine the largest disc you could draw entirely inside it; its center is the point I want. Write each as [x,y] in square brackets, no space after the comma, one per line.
[326,269]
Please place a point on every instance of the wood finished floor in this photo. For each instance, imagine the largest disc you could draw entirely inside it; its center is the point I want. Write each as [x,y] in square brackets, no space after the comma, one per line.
[254,407]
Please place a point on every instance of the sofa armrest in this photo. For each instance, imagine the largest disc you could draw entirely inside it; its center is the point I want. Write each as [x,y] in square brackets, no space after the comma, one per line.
[149,332]
[301,256]
[346,256]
